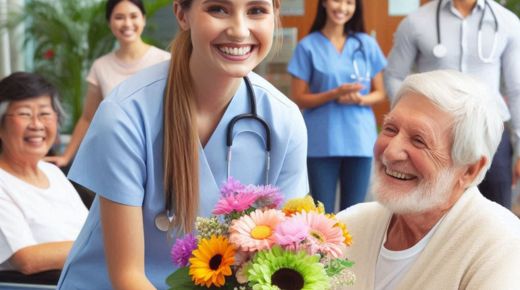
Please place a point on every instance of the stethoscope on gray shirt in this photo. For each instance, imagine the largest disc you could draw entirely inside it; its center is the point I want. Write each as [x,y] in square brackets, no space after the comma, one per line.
[440,49]
[164,218]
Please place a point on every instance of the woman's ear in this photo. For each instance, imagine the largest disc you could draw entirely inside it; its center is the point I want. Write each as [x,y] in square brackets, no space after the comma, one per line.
[181,15]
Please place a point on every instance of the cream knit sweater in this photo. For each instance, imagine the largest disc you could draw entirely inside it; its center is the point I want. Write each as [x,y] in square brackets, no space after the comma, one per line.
[477,246]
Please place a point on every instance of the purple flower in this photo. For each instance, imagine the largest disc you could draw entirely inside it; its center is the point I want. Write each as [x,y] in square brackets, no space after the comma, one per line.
[181,250]
[267,196]
[231,186]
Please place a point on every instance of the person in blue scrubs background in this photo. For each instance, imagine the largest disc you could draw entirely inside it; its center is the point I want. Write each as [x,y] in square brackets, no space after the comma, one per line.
[337,76]
[164,130]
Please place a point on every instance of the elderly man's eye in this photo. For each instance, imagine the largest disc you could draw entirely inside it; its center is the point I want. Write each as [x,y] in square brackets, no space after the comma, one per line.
[419,142]
[389,130]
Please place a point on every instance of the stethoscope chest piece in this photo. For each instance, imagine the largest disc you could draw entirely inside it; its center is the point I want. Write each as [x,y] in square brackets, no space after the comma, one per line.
[439,50]
[162,221]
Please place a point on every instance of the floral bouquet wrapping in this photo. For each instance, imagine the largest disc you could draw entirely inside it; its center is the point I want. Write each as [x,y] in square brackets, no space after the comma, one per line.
[253,243]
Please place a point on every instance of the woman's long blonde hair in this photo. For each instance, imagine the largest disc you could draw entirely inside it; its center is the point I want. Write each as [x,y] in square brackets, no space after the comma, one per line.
[181,141]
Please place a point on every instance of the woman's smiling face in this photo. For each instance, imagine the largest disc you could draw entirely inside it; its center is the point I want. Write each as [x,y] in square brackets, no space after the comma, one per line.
[29,129]
[229,37]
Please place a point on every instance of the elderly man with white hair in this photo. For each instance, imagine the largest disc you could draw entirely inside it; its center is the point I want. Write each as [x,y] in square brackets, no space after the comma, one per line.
[431,228]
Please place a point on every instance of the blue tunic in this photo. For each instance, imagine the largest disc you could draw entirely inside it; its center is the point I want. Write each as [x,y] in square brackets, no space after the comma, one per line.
[121,159]
[335,129]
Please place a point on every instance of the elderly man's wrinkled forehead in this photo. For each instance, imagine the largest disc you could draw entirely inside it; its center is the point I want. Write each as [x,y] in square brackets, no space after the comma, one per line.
[415,111]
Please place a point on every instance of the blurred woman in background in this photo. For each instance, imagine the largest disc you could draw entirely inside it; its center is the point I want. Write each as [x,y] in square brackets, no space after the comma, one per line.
[41,213]
[337,76]
[127,20]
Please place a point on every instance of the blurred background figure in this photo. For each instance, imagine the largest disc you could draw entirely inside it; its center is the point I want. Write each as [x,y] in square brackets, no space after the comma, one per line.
[337,76]
[127,20]
[478,37]
[40,211]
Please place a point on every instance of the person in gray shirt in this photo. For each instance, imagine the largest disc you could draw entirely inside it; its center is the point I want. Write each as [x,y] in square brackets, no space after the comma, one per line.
[478,37]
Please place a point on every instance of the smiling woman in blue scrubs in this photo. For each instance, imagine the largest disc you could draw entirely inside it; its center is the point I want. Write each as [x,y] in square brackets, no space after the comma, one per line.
[337,76]
[164,130]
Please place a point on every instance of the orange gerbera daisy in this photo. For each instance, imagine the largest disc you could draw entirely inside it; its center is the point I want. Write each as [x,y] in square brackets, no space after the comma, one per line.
[212,261]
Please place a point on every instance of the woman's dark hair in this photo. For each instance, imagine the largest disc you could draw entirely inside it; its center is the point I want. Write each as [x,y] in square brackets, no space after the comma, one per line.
[112,3]
[21,86]
[355,24]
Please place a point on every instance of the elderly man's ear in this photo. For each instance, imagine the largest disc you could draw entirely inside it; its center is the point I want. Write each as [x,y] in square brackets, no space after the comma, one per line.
[471,172]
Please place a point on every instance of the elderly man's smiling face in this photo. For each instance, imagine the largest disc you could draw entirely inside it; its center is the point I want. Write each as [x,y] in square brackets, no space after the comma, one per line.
[413,170]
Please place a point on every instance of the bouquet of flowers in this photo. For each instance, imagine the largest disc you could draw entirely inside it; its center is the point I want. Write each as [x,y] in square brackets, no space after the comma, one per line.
[253,243]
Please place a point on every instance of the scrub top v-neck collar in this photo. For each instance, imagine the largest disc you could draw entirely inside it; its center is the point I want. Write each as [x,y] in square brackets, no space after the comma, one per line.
[333,47]
[212,157]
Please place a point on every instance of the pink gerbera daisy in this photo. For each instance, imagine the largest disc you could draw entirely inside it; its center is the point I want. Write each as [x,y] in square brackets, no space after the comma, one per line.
[291,232]
[255,231]
[234,202]
[324,237]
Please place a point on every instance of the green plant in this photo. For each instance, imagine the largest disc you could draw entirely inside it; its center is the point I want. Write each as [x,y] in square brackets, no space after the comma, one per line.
[513,5]
[68,35]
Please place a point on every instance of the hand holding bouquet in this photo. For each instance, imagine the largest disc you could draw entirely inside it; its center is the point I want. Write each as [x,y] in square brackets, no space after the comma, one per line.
[252,244]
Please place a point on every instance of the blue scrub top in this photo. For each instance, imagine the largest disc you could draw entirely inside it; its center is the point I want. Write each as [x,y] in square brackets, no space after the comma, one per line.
[121,159]
[336,129]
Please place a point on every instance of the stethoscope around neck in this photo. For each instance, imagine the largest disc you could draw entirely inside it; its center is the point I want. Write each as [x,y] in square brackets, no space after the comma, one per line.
[440,50]
[164,218]
[356,75]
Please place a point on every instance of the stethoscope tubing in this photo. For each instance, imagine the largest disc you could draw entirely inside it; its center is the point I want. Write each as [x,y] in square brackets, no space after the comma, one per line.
[163,220]
[360,49]
[439,50]
[252,115]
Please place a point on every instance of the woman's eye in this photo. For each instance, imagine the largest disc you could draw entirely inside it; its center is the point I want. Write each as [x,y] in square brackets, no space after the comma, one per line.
[258,10]
[216,9]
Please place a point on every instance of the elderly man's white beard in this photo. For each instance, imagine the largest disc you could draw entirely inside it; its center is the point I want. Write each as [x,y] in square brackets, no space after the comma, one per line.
[428,195]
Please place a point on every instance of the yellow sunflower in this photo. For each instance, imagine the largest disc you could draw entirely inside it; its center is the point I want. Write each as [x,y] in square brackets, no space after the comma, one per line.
[212,261]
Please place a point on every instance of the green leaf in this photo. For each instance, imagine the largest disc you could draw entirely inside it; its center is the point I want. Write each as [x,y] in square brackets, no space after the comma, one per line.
[181,280]
[337,265]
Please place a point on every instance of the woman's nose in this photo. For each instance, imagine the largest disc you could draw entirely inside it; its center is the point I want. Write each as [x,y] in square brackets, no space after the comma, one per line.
[35,122]
[239,28]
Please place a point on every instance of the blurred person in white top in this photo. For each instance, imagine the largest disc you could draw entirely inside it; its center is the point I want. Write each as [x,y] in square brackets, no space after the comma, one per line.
[41,213]
[127,19]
